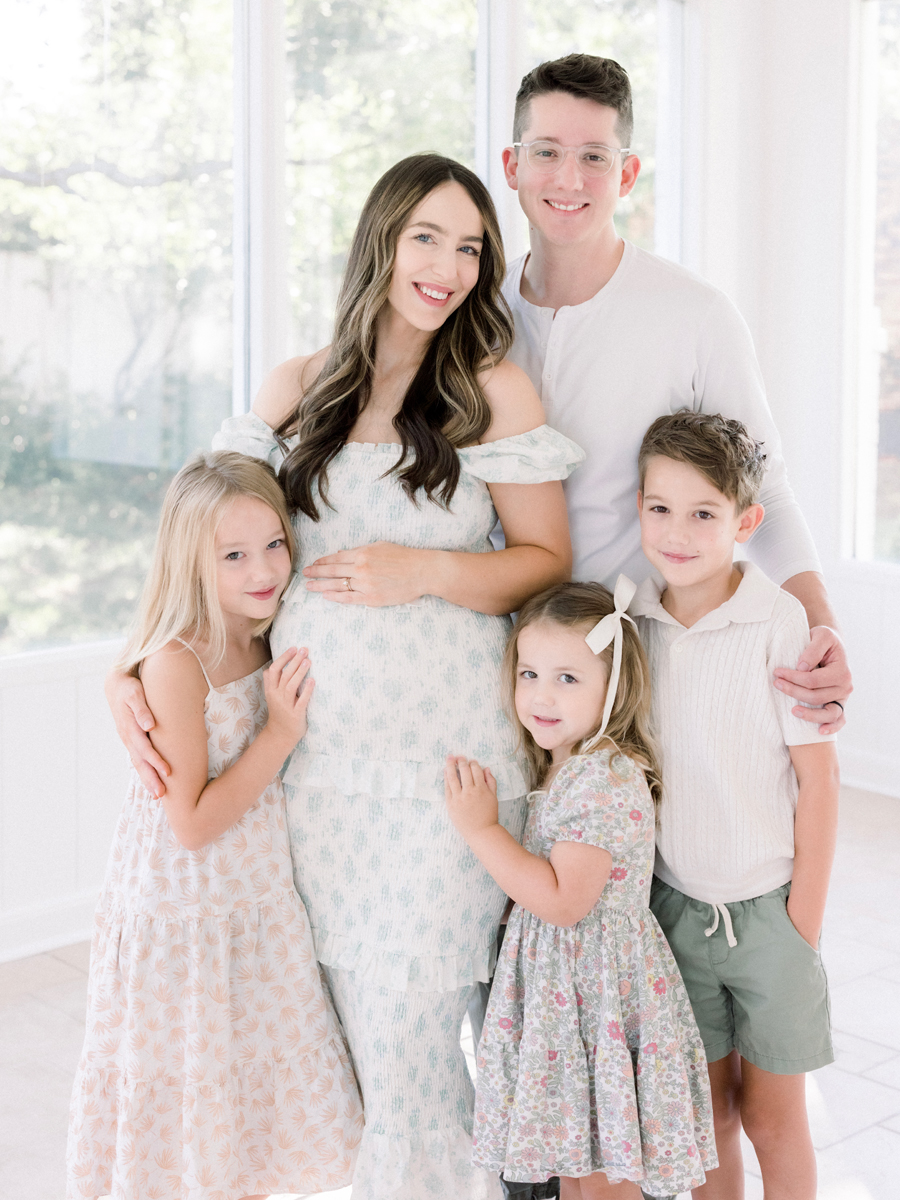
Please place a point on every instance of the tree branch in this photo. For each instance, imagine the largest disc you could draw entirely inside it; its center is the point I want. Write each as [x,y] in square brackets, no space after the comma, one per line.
[60,176]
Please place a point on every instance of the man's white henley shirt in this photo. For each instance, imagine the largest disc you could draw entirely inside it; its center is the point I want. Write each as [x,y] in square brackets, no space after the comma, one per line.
[654,340]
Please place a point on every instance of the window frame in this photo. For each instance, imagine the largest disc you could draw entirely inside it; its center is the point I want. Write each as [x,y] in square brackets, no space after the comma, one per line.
[261,302]
[864,331]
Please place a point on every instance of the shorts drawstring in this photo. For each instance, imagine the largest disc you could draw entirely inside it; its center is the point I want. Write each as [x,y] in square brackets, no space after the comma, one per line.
[726,920]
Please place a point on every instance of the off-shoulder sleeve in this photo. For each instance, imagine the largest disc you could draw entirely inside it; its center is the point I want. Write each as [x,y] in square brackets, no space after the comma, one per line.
[538,456]
[249,434]
[596,803]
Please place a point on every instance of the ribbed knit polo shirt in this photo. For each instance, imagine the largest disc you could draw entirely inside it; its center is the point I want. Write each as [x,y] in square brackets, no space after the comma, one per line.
[726,821]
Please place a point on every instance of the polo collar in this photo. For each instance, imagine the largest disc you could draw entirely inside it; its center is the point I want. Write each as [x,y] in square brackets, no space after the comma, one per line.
[753,601]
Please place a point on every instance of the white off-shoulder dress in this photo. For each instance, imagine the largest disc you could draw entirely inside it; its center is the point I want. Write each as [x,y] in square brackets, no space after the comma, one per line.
[403,915]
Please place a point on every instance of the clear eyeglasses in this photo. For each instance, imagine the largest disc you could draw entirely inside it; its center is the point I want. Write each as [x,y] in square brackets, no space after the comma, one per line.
[592,159]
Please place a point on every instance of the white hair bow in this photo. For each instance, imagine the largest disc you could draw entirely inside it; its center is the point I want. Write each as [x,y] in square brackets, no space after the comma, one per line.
[606,631]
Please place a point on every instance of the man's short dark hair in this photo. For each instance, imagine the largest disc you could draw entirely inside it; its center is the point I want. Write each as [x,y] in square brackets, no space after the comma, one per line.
[585,76]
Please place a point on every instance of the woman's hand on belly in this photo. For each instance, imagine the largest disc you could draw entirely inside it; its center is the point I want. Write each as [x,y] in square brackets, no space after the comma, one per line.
[378,575]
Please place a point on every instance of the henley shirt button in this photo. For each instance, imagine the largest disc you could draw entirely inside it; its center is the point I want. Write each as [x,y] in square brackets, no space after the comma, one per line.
[678,647]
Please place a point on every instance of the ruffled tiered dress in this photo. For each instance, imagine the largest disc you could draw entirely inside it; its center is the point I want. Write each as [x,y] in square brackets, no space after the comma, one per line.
[404,916]
[590,1059]
[213,1065]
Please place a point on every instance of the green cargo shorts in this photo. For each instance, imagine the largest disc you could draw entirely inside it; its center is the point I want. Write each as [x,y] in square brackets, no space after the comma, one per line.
[766,996]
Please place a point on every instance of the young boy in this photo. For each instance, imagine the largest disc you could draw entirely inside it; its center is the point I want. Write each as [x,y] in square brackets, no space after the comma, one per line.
[749,811]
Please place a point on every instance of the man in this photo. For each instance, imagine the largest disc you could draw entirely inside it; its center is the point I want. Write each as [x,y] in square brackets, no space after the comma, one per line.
[613,337]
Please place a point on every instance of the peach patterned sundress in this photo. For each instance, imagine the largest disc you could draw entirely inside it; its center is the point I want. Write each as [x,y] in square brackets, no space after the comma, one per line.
[213,1064]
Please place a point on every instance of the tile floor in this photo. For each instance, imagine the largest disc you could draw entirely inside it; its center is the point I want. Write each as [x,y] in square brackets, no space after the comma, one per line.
[854,1104]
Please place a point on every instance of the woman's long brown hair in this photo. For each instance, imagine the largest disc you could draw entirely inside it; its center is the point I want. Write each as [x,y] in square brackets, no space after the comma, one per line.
[444,407]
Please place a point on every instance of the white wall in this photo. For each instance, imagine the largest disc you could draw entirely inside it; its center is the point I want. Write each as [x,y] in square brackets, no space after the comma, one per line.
[772,210]
[62,782]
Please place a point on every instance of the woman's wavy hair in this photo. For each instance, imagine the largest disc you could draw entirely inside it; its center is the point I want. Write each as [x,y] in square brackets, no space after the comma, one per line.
[180,597]
[581,606]
[444,407]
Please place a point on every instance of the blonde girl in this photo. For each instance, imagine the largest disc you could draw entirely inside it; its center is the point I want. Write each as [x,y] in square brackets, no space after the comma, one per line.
[590,1066]
[213,1067]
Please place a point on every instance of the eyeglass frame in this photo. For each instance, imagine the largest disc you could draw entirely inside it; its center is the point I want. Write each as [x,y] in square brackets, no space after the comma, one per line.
[626,150]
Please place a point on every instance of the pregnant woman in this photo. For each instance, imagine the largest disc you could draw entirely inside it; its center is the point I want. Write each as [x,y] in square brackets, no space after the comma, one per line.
[399,445]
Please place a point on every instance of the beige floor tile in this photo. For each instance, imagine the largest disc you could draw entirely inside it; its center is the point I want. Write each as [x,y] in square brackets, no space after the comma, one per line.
[879,932]
[844,1188]
[887,1073]
[842,1104]
[892,973]
[69,998]
[858,1054]
[78,955]
[847,958]
[27,1173]
[26,976]
[862,1167]
[867,1007]
[33,1033]
[34,1104]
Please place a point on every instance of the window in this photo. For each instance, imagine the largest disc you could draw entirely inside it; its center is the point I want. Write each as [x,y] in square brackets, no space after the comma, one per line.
[118,257]
[878,469]
[115,294]
[367,84]
[626,30]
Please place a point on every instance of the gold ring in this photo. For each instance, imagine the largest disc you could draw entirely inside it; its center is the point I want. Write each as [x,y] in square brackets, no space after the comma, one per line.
[348,584]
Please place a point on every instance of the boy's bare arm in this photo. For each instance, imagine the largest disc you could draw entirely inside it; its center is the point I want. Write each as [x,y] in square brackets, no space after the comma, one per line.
[815,834]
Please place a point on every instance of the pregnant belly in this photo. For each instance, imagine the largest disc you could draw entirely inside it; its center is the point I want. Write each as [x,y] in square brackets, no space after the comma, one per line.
[411,682]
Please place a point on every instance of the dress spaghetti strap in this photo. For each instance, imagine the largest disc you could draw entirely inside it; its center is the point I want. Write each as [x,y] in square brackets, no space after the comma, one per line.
[199,660]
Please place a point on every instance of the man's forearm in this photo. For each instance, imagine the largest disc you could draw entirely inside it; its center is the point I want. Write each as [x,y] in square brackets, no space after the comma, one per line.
[809,588]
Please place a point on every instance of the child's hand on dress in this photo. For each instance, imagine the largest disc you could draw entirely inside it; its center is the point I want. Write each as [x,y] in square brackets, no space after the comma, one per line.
[471,793]
[288,691]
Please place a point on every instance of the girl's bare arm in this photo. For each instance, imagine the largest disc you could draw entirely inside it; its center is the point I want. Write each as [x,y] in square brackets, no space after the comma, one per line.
[198,808]
[561,891]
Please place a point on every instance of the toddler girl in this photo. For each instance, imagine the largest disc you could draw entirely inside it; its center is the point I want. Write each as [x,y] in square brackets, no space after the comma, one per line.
[213,1066]
[590,1066]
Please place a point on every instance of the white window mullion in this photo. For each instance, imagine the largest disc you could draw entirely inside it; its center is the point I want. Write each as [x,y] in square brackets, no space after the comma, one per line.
[869,335]
[667,183]
[261,313]
[499,67]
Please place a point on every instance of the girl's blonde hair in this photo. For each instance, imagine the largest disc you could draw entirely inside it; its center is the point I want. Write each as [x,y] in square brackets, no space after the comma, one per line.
[575,605]
[180,597]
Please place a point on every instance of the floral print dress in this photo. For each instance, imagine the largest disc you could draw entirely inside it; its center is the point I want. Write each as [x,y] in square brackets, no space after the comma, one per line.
[213,1065]
[590,1059]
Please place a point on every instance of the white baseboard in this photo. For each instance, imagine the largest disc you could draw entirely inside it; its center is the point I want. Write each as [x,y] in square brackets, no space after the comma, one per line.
[42,927]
